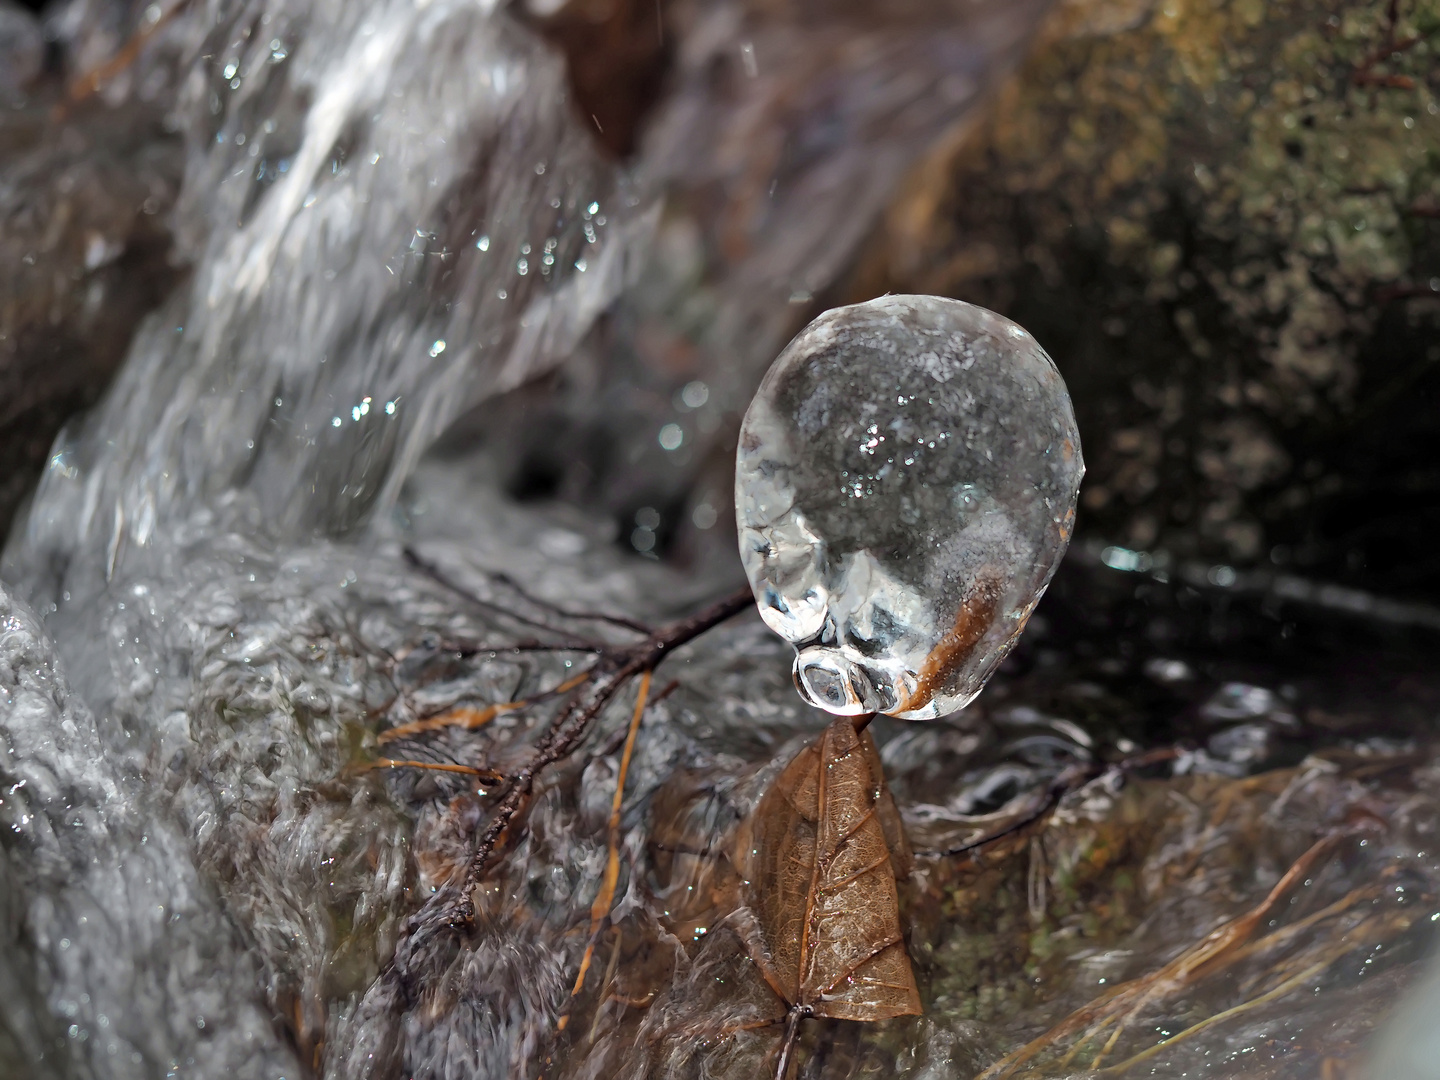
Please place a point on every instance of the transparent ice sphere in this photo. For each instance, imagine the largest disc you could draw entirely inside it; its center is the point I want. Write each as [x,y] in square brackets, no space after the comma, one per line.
[905,486]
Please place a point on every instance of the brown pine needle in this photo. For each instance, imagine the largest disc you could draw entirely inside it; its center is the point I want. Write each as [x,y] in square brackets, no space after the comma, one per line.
[605,897]
[1286,933]
[1216,951]
[471,718]
[1220,1017]
[1084,1041]
[439,766]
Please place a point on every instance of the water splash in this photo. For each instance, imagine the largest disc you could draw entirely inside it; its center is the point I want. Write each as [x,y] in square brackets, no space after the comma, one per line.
[128,964]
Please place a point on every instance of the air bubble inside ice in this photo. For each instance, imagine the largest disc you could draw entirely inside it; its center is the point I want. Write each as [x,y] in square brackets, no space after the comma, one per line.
[905,487]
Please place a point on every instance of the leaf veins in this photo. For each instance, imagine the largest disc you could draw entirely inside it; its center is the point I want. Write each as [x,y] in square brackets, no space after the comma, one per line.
[821,855]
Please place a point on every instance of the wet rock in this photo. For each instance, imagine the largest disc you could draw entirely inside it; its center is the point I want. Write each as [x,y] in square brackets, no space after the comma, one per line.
[1220,220]
[22,50]
[84,256]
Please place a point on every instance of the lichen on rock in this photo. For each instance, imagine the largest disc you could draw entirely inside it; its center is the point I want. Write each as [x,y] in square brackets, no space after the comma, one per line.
[1220,218]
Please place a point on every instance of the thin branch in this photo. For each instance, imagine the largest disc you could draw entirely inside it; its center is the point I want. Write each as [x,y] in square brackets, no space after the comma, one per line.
[1069,780]
[435,574]
[1364,74]
[615,668]
[554,609]
[787,1043]
[467,649]
[1043,806]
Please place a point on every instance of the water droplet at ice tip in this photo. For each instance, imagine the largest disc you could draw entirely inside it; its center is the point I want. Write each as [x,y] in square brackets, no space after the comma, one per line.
[902,589]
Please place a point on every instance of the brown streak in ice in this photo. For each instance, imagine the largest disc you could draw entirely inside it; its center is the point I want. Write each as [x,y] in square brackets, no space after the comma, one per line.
[959,642]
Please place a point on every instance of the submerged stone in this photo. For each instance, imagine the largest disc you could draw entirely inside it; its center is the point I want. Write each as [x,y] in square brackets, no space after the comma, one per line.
[905,486]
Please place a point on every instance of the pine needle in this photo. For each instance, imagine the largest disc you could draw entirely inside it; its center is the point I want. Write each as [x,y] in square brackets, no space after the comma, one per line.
[605,897]
[471,718]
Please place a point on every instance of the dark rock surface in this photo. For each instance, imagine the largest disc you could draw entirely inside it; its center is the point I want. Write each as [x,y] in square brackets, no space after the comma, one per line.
[84,256]
[1221,220]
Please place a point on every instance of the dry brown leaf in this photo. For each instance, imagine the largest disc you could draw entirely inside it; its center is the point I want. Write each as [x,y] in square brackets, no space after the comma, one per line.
[820,855]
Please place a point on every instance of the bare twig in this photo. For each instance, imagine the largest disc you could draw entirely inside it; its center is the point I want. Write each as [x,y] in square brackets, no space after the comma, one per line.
[437,575]
[467,649]
[792,1035]
[612,672]
[1364,73]
[565,613]
[1069,780]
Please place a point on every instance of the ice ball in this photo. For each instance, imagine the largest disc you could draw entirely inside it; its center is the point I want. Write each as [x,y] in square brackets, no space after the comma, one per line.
[905,486]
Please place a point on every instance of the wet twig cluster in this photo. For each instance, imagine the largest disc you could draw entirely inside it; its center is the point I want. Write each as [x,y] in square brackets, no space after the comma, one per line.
[587,695]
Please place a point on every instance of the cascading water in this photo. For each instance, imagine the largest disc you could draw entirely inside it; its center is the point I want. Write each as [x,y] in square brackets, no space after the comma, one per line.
[390,220]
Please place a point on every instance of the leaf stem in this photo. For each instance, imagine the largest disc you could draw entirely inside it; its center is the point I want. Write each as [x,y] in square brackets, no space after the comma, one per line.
[787,1043]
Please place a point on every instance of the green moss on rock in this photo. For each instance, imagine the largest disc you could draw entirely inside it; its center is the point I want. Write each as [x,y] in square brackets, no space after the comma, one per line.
[1221,218]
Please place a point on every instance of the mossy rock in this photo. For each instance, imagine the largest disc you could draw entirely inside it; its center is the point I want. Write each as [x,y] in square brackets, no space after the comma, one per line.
[1223,220]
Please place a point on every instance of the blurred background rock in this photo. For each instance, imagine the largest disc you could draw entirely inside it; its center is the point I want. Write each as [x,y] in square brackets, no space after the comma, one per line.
[1224,221]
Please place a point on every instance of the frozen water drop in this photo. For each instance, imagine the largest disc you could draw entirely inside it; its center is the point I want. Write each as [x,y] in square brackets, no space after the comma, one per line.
[905,487]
